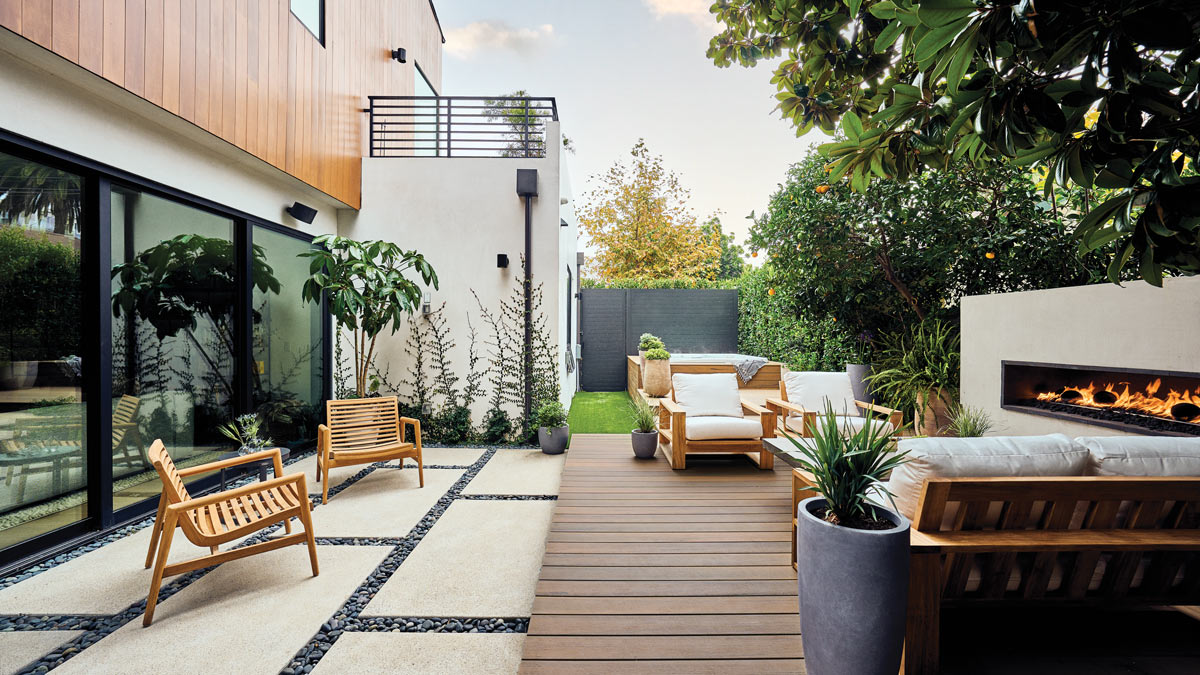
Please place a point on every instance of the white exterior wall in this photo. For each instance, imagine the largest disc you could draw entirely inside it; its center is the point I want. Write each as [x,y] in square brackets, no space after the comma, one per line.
[460,213]
[56,102]
[1130,326]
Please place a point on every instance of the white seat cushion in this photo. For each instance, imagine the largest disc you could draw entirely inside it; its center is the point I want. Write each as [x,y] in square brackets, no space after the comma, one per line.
[720,428]
[848,425]
[708,394]
[1142,455]
[1053,455]
[810,390]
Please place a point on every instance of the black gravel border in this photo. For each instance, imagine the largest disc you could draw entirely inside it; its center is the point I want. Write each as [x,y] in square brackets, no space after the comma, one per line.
[309,655]
[509,498]
[429,624]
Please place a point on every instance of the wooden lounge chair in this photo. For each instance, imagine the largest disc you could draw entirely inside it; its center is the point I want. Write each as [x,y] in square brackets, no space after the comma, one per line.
[222,517]
[706,413]
[363,431]
[802,399]
[126,438]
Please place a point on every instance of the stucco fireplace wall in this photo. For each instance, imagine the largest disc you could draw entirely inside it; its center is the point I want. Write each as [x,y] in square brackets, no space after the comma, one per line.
[1130,326]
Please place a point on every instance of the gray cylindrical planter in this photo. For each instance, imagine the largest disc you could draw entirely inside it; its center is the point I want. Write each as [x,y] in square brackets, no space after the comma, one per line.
[853,593]
[554,439]
[858,373]
[644,443]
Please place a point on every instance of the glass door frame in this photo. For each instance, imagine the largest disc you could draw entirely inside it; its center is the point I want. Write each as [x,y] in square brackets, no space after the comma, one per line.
[96,322]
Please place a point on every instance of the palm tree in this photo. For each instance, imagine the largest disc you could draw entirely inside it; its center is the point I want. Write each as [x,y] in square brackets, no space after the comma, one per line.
[32,189]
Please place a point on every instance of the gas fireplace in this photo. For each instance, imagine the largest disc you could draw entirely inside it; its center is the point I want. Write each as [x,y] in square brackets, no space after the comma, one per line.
[1137,401]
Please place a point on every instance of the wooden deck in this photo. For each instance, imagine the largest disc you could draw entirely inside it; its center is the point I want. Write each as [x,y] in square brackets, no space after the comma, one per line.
[649,570]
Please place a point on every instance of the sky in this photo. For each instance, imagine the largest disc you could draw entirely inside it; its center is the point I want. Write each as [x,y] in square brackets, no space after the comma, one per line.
[628,69]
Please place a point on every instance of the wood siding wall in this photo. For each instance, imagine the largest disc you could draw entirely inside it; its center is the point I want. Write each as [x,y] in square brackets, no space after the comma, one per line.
[248,71]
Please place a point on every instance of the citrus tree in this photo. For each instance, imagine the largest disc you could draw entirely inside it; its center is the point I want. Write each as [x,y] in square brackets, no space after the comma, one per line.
[917,84]
[367,288]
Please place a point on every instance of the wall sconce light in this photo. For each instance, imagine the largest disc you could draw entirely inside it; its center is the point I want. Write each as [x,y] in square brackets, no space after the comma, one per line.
[502,260]
[426,303]
[302,212]
[400,54]
[562,222]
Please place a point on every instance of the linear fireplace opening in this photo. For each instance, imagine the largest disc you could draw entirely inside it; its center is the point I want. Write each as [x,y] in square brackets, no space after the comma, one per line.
[1155,402]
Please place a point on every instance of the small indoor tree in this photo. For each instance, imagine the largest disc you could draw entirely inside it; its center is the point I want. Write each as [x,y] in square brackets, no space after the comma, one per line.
[367,289]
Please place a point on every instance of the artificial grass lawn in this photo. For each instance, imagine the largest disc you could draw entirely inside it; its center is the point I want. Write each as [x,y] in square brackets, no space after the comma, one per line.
[600,412]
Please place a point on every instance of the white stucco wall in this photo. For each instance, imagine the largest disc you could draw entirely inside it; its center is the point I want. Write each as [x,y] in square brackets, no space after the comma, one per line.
[54,101]
[1130,326]
[460,213]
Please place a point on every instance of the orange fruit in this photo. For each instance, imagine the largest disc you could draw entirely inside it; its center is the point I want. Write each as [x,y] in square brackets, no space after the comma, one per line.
[822,189]
[989,255]
[771,291]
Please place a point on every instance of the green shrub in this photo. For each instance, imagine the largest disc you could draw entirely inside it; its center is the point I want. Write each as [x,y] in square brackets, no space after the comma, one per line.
[658,354]
[649,341]
[770,325]
[551,415]
[917,361]
[673,282]
[451,424]
[497,426]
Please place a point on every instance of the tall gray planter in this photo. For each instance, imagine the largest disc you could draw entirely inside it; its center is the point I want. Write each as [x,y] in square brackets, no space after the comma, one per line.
[858,373]
[853,593]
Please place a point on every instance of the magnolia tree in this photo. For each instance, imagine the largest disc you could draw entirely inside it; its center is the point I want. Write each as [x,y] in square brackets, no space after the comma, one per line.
[367,289]
[925,83]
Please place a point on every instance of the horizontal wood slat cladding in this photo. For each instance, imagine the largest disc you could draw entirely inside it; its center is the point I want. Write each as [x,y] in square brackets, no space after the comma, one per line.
[248,71]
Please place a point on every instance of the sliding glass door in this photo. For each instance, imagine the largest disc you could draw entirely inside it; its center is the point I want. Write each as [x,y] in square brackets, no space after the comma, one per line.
[43,467]
[130,312]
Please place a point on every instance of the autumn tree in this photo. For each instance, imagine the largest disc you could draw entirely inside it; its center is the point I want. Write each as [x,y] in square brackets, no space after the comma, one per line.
[640,226]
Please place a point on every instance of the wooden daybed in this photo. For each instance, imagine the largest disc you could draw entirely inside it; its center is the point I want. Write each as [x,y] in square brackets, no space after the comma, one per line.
[1086,540]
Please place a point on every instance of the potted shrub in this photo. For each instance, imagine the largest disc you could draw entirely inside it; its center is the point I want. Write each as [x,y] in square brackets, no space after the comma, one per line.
[645,344]
[860,367]
[244,430]
[921,370]
[645,432]
[656,376]
[852,553]
[969,422]
[553,432]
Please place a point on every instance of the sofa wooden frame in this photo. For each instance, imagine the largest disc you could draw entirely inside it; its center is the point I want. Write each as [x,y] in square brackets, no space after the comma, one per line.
[783,408]
[672,435]
[1151,524]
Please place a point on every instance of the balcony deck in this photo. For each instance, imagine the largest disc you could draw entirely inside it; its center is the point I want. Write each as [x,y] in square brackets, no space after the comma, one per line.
[652,570]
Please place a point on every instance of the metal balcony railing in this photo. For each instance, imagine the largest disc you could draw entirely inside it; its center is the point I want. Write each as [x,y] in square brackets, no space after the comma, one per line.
[460,126]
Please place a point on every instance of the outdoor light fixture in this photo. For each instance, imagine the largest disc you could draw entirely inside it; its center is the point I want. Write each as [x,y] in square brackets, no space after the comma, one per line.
[527,182]
[502,260]
[426,303]
[562,222]
[400,54]
[302,212]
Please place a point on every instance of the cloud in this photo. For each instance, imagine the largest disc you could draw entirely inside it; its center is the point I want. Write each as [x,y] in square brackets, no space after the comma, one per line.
[495,35]
[695,11]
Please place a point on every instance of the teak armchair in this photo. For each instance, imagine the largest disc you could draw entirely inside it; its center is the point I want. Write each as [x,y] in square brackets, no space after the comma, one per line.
[799,410]
[218,518]
[363,431]
[717,421]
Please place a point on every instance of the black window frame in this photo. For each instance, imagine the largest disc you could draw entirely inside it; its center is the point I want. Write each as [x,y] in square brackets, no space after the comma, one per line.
[98,180]
[320,36]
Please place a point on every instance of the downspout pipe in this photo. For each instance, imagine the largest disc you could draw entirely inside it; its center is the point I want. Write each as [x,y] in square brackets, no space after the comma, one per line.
[527,190]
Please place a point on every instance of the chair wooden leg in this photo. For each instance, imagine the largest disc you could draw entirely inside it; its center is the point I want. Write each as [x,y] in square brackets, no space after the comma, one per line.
[922,634]
[214,549]
[420,471]
[164,548]
[306,520]
[158,526]
[324,484]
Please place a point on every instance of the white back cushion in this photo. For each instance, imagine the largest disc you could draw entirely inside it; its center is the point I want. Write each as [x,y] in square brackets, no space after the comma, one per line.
[1053,455]
[708,394]
[1142,455]
[810,390]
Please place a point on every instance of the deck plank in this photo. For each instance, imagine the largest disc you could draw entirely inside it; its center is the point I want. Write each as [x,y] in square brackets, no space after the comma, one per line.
[649,570]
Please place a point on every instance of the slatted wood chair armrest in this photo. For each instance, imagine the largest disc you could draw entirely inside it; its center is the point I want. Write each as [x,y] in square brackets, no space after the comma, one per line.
[786,408]
[895,417]
[412,422]
[251,488]
[670,414]
[272,454]
[671,406]
[1020,541]
[790,407]
[765,415]
[754,408]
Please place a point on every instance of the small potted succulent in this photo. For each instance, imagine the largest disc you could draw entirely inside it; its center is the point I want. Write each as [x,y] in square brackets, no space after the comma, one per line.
[656,376]
[645,432]
[852,553]
[647,342]
[244,430]
[553,432]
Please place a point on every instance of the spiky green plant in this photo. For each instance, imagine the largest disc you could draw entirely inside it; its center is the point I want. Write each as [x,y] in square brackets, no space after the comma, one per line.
[924,360]
[645,418]
[968,421]
[847,468]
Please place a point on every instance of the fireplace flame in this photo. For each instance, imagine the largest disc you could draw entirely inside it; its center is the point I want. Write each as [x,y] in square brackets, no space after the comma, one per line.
[1183,406]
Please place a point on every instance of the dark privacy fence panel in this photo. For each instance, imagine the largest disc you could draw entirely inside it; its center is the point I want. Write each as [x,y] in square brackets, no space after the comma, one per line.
[688,321]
